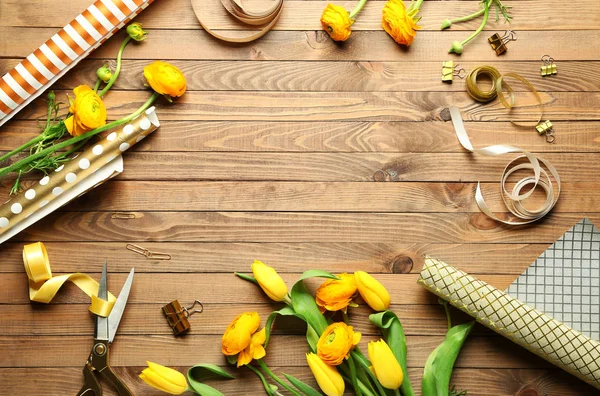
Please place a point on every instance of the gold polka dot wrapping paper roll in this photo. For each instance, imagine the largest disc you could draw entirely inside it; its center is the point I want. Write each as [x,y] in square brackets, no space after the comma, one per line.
[533,330]
[100,162]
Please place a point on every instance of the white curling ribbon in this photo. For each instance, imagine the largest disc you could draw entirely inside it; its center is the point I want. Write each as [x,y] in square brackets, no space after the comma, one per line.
[513,200]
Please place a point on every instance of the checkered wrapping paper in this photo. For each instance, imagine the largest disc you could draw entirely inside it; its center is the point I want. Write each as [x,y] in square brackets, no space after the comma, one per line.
[539,333]
[61,52]
[564,282]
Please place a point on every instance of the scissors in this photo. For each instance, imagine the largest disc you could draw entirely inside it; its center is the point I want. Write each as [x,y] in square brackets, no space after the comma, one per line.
[105,331]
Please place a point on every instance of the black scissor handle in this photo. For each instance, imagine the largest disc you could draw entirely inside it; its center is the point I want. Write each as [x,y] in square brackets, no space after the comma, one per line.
[116,381]
[91,386]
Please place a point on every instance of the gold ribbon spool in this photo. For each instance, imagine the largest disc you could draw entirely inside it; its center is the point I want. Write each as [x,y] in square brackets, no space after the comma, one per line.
[43,286]
[268,18]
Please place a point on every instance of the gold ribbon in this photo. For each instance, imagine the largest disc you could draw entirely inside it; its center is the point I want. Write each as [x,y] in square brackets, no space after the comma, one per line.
[43,287]
[513,200]
[268,18]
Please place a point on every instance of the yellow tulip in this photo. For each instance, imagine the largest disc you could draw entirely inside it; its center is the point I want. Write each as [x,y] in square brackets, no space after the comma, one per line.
[87,109]
[238,334]
[335,295]
[164,379]
[255,350]
[135,31]
[400,23]
[336,22]
[329,379]
[385,365]
[336,342]
[270,281]
[165,79]
[372,291]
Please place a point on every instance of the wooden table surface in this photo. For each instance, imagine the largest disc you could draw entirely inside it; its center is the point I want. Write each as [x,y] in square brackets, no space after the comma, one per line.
[302,153]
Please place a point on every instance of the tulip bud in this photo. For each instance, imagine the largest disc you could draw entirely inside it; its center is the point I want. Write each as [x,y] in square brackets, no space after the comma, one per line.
[135,31]
[270,281]
[373,292]
[164,379]
[446,24]
[104,73]
[385,365]
[329,379]
[457,47]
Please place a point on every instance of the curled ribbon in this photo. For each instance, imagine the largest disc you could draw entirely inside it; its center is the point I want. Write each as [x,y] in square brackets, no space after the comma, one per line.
[513,200]
[268,18]
[43,287]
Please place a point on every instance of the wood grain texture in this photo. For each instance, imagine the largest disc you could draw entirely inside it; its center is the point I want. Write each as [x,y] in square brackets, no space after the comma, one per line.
[302,153]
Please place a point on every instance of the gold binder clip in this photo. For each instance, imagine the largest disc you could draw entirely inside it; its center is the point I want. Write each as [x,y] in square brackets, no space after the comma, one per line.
[450,70]
[548,129]
[177,316]
[498,42]
[148,253]
[548,67]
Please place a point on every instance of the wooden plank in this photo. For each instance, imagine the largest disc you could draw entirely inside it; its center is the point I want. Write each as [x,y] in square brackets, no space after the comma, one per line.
[305,15]
[481,382]
[220,257]
[339,136]
[331,76]
[317,45]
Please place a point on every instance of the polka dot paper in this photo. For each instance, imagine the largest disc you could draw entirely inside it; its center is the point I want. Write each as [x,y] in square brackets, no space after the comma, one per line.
[100,162]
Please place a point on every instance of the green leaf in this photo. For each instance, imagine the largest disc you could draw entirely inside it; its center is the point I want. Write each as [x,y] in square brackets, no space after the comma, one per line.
[311,335]
[248,278]
[203,372]
[317,274]
[393,334]
[302,387]
[304,304]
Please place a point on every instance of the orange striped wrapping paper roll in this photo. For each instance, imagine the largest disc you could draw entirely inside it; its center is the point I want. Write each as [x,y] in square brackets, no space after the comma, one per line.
[62,51]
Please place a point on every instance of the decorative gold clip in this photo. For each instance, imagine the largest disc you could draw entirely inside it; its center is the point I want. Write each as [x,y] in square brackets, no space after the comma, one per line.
[498,42]
[548,129]
[449,70]
[548,68]
[177,316]
[146,252]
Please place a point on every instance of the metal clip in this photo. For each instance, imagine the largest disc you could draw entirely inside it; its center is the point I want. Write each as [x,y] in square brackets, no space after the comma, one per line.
[449,70]
[548,129]
[177,316]
[548,68]
[498,43]
[146,252]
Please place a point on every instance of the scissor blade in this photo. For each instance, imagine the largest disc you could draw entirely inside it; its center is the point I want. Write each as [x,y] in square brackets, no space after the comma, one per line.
[102,323]
[117,312]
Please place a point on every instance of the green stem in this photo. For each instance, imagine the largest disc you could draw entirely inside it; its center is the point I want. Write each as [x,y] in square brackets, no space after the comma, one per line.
[50,150]
[117,69]
[98,81]
[357,9]
[363,362]
[486,8]
[397,392]
[416,5]
[468,17]
[23,147]
[262,379]
[271,374]
[353,376]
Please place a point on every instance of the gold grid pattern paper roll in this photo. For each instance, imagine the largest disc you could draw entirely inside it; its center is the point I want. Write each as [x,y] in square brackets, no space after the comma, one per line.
[524,325]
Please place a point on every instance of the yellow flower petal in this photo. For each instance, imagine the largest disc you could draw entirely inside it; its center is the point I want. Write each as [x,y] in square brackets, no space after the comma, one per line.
[329,379]
[165,78]
[269,280]
[336,342]
[336,22]
[335,295]
[385,365]
[373,292]
[238,334]
[88,111]
[164,378]
[398,23]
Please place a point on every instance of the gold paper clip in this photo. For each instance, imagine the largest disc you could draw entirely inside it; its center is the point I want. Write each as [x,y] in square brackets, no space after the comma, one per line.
[449,70]
[548,67]
[498,42]
[177,316]
[548,129]
[146,252]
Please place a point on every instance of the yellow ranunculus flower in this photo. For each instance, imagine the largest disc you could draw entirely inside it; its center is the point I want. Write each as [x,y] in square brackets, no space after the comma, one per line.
[238,334]
[165,78]
[164,379]
[329,379]
[336,22]
[269,280]
[87,109]
[255,350]
[385,365]
[372,291]
[336,342]
[335,295]
[400,23]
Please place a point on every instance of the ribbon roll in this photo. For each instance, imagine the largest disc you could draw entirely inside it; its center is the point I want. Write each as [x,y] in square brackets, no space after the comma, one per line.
[268,18]
[43,286]
[513,200]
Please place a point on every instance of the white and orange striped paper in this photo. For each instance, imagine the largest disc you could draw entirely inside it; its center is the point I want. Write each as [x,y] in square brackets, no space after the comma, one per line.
[64,50]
